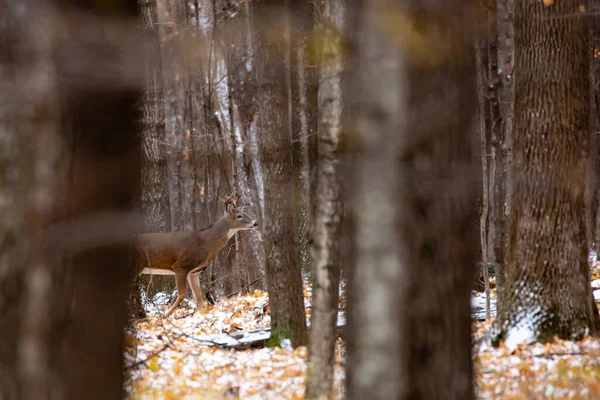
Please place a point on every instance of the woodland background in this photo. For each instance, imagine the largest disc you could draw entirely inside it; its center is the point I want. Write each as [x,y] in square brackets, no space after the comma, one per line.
[412,151]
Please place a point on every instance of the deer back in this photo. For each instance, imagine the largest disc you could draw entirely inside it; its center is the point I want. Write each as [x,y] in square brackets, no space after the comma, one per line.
[161,250]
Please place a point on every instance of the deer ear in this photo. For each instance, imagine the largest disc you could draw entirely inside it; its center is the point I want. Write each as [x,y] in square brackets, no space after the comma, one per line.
[229,207]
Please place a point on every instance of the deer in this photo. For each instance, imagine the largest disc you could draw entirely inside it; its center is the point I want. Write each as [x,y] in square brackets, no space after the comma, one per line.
[186,254]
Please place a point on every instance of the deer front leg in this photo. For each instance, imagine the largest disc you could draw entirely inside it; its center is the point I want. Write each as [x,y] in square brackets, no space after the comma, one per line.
[181,290]
[194,281]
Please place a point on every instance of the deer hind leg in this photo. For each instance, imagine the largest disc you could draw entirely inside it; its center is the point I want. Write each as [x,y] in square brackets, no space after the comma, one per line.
[180,277]
[194,282]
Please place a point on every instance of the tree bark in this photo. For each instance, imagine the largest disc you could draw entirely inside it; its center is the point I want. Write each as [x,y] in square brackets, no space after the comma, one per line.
[325,247]
[303,111]
[548,290]
[412,138]
[484,134]
[593,202]
[170,20]
[282,269]
[500,102]
[155,176]
[155,189]
[84,184]
[17,155]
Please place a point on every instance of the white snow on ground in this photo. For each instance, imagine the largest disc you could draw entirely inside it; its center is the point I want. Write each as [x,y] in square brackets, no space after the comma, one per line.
[522,334]
[174,357]
[558,370]
[176,361]
[478,305]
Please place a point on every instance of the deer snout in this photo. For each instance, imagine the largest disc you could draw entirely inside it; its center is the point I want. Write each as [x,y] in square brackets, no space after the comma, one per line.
[254,225]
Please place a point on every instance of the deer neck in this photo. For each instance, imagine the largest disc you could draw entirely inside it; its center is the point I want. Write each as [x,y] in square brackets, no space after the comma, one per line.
[221,231]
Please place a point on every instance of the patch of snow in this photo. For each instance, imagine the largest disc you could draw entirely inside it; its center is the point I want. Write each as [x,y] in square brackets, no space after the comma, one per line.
[593,257]
[161,298]
[478,306]
[286,344]
[522,334]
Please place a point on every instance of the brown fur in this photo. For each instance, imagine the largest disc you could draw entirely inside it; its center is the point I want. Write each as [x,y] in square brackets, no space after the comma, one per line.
[186,254]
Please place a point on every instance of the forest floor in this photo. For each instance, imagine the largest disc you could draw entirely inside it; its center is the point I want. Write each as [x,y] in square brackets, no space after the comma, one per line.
[559,370]
[168,359]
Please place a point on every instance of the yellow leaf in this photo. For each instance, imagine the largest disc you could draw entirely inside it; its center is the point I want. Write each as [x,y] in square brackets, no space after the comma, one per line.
[152,364]
[548,3]
[177,367]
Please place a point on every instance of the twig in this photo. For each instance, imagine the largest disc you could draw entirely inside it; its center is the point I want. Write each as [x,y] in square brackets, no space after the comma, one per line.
[245,287]
[148,358]
[550,355]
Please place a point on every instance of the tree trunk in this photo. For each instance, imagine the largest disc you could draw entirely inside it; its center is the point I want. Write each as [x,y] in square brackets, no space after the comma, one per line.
[155,190]
[593,202]
[282,269]
[83,181]
[484,134]
[413,189]
[155,182]
[169,22]
[325,246]
[17,156]
[500,103]
[548,290]
[303,111]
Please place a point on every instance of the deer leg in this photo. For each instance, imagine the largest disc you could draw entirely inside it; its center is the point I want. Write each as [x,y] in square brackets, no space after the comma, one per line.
[194,281]
[181,290]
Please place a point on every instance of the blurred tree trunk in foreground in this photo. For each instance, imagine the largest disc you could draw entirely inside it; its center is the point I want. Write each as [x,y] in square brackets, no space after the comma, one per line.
[327,218]
[67,261]
[412,185]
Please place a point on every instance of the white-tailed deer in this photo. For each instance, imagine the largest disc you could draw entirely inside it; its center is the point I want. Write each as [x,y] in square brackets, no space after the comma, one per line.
[186,254]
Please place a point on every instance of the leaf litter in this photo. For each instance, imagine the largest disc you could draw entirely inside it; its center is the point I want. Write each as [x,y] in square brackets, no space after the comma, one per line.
[561,369]
[165,358]
[170,362]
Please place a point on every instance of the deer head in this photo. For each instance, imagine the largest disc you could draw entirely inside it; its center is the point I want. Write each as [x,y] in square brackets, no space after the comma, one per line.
[236,218]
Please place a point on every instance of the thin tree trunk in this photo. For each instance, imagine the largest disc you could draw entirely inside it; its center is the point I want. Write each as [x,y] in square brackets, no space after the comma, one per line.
[155,186]
[484,134]
[155,192]
[548,292]
[169,19]
[302,23]
[498,145]
[327,226]
[283,274]
[502,150]
[414,250]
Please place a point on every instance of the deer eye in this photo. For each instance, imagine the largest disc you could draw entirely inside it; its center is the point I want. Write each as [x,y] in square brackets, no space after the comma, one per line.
[239,217]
